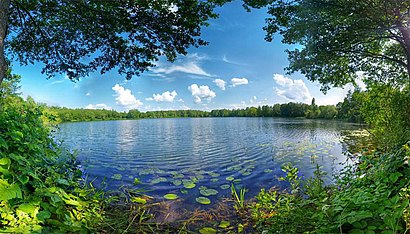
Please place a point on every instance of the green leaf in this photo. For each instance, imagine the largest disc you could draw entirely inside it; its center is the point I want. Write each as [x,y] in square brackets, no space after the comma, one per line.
[158,180]
[170,196]
[203,200]
[5,162]
[224,224]
[225,186]
[29,208]
[394,177]
[8,192]
[230,178]
[43,215]
[207,230]
[208,192]
[139,200]
[189,185]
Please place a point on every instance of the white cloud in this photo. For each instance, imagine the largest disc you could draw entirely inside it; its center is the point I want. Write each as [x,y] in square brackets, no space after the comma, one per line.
[189,64]
[253,99]
[88,94]
[293,90]
[239,81]
[125,98]
[164,97]
[226,60]
[220,83]
[98,106]
[201,92]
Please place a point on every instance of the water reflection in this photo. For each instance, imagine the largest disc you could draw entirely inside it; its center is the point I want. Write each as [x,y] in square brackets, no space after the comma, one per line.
[170,155]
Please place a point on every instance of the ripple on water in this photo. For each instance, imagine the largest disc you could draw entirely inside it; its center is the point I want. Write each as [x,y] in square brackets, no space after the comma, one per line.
[203,152]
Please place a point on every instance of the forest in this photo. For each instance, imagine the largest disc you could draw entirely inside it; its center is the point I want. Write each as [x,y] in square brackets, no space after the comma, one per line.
[342,111]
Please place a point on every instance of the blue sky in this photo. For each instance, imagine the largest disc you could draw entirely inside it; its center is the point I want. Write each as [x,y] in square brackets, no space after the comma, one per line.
[237,69]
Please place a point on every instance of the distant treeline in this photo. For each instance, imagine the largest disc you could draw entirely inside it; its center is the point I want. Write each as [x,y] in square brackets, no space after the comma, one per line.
[344,110]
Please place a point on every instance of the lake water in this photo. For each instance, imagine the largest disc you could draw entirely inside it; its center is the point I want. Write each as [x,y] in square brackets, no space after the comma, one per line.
[173,155]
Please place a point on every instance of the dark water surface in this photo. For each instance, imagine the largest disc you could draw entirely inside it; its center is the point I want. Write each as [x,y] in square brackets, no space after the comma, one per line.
[172,155]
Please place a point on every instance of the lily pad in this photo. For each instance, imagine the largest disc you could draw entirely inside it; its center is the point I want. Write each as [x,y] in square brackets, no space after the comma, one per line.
[267,170]
[207,230]
[246,173]
[189,185]
[184,191]
[170,196]
[214,174]
[225,186]
[177,182]
[117,176]
[224,224]
[214,180]
[203,200]
[178,176]
[208,192]
[158,180]
[237,180]
[230,178]
[194,179]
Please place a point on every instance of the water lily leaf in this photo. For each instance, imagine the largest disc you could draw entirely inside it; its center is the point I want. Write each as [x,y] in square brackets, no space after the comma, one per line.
[224,224]
[177,182]
[184,191]
[178,176]
[203,200]
[194,179]
[237,180]
[246,173]
[225,186]
[202,187]
[214,180]
[267,170]
[208,192]
[214,174]
[230,178]
[117,177]
[189,185]
[170,196]
[207,230]
[159,180]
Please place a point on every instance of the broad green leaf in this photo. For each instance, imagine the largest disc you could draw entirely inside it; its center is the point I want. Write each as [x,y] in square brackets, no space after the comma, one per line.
[29,208]
[170,196]
[207,230]
[203,200]
[8,192]
[224,224]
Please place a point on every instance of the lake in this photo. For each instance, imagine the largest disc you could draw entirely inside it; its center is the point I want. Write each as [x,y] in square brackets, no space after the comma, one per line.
[188,156]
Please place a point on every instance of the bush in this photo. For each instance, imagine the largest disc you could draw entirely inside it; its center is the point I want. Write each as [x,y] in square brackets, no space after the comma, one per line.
[40,184]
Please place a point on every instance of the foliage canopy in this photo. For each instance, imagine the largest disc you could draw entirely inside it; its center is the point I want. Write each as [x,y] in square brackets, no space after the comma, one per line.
[342,39]
[79,37]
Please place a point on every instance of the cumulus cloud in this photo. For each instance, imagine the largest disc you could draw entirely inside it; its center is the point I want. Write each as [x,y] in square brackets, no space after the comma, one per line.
[294,90]
[201,92]
[125,98]
[239,81]
[164,97]
[98,106]
[88,94]
[220,83]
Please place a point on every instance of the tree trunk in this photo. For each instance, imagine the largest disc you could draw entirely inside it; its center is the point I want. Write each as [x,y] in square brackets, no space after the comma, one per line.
[4,15]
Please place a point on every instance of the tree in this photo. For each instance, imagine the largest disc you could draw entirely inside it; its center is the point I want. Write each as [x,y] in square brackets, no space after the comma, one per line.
[77,37]
[342,38]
